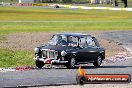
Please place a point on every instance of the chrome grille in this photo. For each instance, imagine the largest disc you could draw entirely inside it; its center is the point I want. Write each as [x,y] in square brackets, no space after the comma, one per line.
[50,54]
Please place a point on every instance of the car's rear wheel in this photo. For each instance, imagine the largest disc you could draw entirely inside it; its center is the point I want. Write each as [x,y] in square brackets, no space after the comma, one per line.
[71,64]
[98,62]
[39,64]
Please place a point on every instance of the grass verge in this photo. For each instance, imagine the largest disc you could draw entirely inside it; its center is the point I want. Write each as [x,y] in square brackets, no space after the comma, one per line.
[11,58]
[11,27]
[16,19]
[37,14]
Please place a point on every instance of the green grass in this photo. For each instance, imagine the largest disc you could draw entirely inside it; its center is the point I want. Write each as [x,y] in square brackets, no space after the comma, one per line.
[37,14]
[58,20]
[10,27]
[9,58]
[8,1]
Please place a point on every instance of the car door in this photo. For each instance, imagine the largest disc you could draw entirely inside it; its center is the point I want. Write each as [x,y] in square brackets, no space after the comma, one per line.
[82,52]
[92,48]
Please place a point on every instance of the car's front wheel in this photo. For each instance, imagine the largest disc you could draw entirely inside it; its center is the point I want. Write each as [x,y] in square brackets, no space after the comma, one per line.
[98,62]
[39,64]
[71,64]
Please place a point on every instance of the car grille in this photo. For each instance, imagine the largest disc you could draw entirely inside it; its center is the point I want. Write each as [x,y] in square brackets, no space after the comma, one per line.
[52,54]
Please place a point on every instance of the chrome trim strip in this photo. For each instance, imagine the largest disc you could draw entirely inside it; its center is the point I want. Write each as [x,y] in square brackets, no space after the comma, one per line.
[39,59]
[52,61]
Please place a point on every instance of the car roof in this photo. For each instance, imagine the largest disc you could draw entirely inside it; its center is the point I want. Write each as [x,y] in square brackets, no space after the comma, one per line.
[74,34]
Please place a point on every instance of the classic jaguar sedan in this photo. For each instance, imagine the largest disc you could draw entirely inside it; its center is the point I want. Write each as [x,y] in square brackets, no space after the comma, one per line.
[70,49]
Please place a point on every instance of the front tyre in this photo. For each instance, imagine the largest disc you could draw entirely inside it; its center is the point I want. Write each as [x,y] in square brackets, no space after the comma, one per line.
[98,62]
[39,64]
[71,64]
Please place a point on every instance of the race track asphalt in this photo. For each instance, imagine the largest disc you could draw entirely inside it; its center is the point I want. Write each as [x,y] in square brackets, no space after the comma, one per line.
[68,76]
[124,38]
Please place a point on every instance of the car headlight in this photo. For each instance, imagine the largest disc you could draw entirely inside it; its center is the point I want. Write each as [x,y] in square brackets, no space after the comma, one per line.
[36,50]
[63,53]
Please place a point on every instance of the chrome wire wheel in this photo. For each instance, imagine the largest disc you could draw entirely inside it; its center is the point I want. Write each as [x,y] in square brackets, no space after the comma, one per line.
[72,63]
[98,62]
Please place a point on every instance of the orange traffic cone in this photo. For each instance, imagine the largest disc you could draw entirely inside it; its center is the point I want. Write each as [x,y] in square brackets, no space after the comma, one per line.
[82,72]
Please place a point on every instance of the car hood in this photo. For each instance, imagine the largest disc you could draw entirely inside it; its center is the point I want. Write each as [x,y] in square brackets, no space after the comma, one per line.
[58,47]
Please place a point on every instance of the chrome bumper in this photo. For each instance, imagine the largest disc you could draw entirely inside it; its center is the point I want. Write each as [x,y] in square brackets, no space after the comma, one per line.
[39,59]
[52,61]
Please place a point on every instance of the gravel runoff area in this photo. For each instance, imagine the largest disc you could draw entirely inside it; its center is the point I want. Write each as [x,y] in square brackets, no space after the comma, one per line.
[28,41]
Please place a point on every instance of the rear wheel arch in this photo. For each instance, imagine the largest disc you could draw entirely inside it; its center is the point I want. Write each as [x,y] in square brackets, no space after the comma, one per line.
[102,56]
[98,61]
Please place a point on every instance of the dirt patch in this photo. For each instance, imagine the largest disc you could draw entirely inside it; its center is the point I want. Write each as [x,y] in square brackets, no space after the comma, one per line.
[25,41]
[28,41]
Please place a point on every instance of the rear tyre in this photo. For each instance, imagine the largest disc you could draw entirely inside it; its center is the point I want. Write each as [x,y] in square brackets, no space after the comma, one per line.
[98,62]
[71,64]
[39,64]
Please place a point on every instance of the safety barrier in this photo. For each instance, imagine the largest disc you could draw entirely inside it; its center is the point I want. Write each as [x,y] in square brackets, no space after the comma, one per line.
[101,8]
[24,4]
[32,4]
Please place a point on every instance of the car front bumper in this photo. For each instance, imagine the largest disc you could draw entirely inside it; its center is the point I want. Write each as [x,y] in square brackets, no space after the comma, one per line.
[53,61]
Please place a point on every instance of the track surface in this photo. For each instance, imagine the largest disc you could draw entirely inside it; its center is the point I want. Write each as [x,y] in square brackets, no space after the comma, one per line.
[67,76]
[124,38]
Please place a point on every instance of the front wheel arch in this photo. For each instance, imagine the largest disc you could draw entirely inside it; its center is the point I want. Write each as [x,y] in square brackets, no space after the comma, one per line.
[69,64]
[39,64]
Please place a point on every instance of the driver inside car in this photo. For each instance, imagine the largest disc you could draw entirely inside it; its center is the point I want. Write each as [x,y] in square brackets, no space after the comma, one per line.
[72,41]
[62,40]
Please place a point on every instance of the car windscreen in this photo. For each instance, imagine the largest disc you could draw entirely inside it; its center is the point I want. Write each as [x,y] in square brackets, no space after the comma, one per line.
[58,40]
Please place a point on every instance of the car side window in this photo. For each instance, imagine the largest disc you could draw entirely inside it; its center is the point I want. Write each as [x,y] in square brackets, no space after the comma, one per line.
[82,42]
[90,42]
[73,41]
